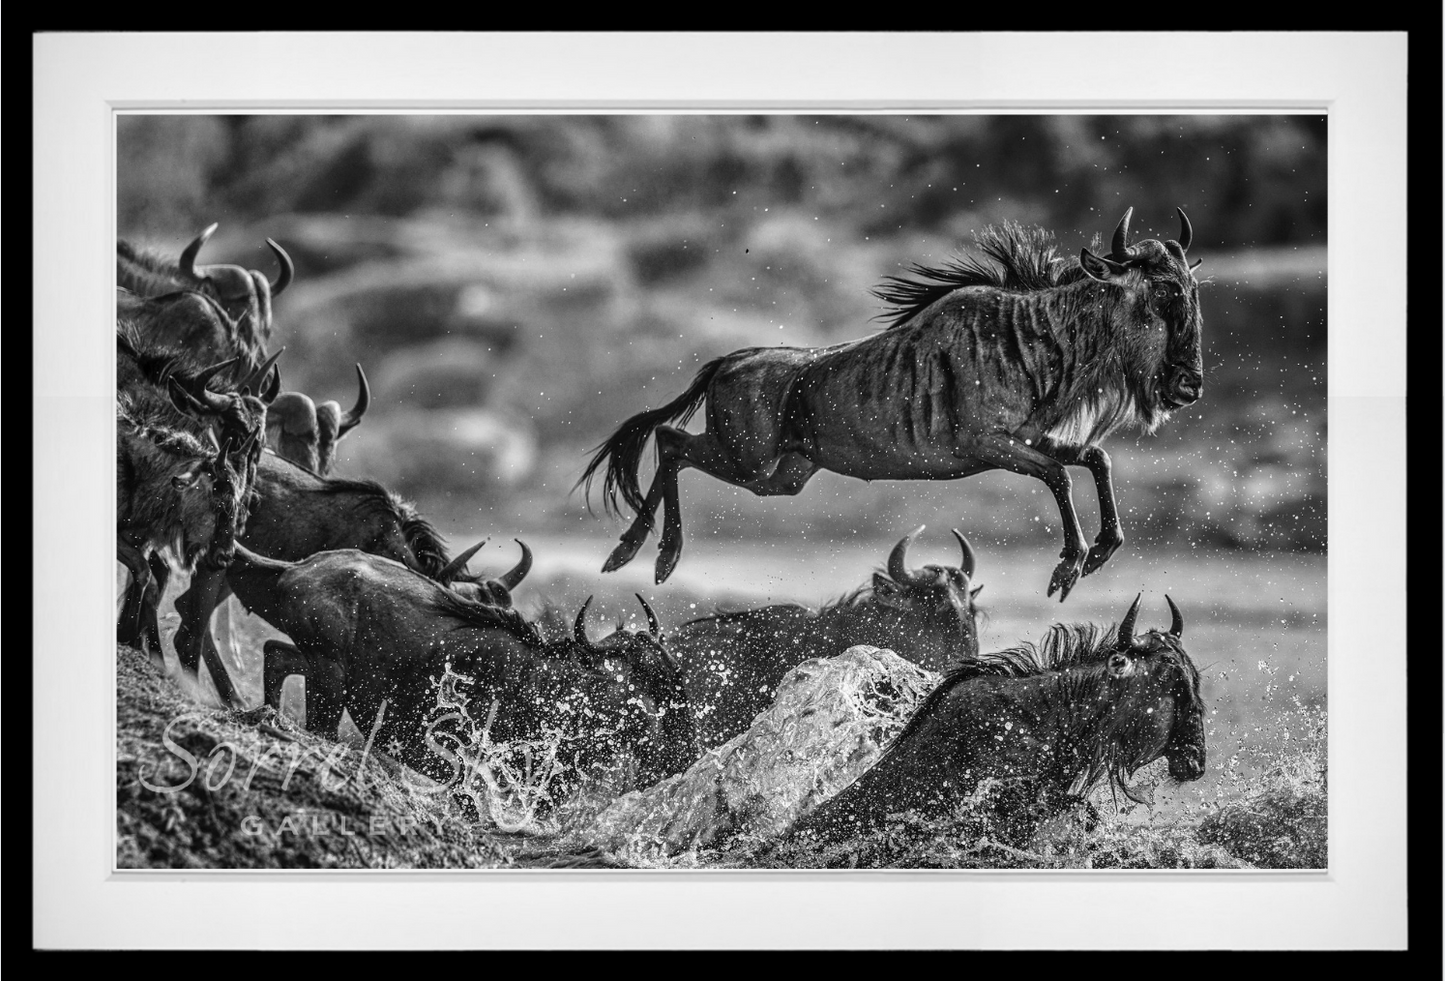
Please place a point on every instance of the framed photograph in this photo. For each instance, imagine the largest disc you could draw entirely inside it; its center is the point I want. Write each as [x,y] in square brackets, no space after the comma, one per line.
[911,497]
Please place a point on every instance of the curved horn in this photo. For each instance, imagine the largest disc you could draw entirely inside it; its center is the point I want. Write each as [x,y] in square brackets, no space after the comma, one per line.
[519,572]
[363,400]
[968,557]
[1186,231]
[287,269]
[1176,628]
[459,564]
[579,628]
[1119,252]
[188,255]
[255,377]
[896,569]
[1126,625]
[269,392]
[201,402]
[653,627]
[251,441]
[204,378]
[225,449]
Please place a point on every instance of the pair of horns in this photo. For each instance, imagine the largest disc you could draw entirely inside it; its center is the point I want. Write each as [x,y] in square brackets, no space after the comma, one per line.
[579,628]
[1126,625]
[1119,251]
[511,579]
[292,405]
[225,451]
[188,260]
[257,379]
[898,570]
[196,396]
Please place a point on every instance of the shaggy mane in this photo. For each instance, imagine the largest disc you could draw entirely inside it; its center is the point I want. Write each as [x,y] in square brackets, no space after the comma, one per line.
[471,613]
[1064,646]
[1025,260]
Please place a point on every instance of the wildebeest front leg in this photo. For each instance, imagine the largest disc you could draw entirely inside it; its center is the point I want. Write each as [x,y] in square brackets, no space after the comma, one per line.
[128,627]
[150,608]
[1007,453]
[1111,534]
[193,637]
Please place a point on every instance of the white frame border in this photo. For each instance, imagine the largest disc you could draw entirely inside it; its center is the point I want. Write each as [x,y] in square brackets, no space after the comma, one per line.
[80,79]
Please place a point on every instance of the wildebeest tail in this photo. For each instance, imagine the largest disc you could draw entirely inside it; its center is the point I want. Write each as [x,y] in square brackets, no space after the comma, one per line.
[622,452]
[255,579]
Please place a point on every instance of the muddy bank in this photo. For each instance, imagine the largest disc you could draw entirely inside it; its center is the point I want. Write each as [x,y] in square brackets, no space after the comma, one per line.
[208,788]
[200,787]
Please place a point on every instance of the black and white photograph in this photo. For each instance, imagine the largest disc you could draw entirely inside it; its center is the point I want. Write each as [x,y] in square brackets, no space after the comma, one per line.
[845,508]
[721,491]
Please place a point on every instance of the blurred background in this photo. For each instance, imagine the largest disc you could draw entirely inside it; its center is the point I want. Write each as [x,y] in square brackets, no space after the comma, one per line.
[517,285]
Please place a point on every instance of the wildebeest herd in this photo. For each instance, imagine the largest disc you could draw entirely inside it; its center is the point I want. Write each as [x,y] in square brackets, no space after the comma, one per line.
[1025,363]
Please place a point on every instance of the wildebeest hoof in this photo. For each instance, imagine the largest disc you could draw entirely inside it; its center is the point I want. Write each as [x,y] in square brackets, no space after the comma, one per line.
[666,562]
[1064,578]
[621,555]
[1100,553]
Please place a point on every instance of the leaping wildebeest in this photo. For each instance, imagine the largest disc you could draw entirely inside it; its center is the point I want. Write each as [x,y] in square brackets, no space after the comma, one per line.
[1048,721]
[1025,366]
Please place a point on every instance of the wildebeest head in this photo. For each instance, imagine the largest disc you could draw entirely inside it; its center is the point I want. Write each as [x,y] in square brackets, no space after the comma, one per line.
[229,485]
[1165,307]
[481,589]
[240,413]
[1153,688]
[640,661]
[940,596]
[240,291]
[184,321]
[306,432]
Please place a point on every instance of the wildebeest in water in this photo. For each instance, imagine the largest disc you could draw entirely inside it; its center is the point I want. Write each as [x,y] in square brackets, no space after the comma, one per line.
[368,630]
[733,662]
[1052,720]
[296,513]
[1024,367]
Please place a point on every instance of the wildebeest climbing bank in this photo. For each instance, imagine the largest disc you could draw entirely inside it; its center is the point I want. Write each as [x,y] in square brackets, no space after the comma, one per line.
[861,663]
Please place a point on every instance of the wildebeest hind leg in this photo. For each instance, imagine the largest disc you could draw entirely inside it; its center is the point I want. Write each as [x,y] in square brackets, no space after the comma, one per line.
[785,475]
[325,696]
[1111,534]
[280,661]
[676,449]
[1007,453]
